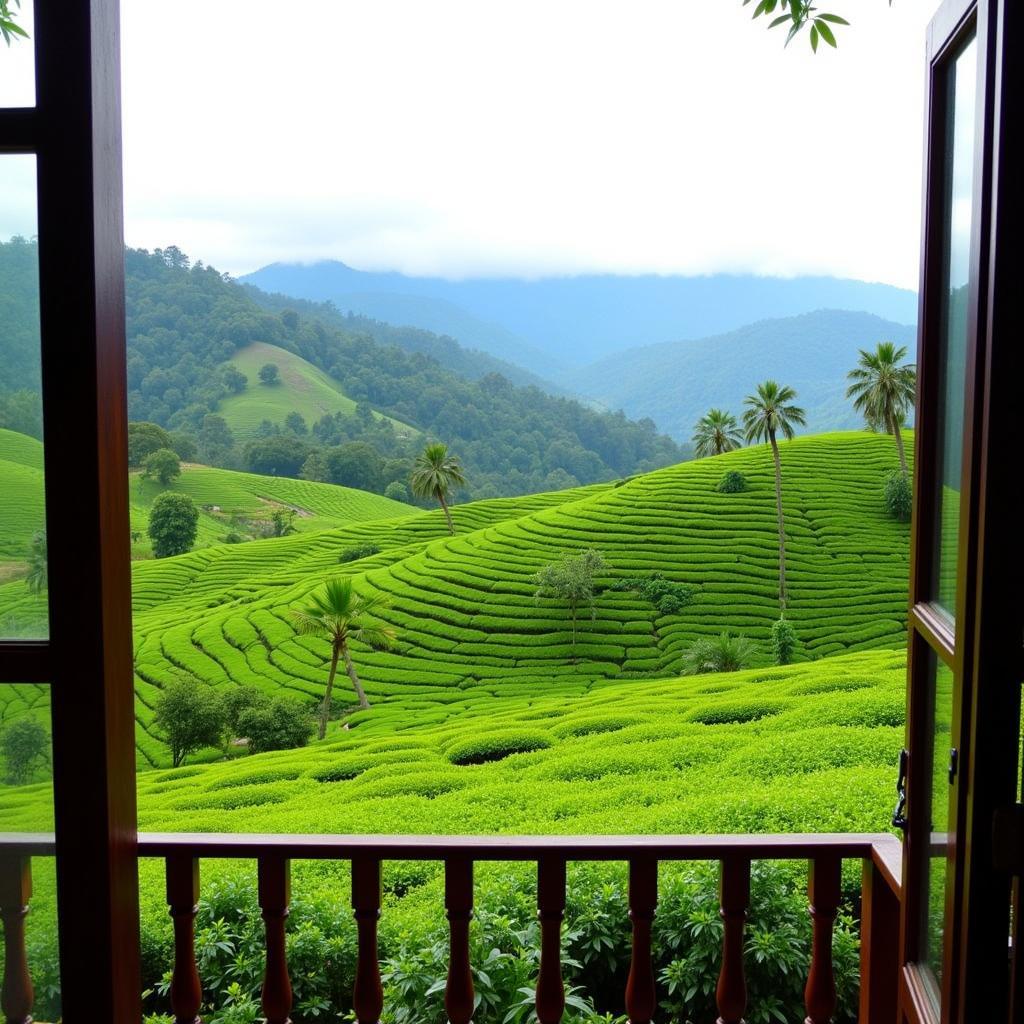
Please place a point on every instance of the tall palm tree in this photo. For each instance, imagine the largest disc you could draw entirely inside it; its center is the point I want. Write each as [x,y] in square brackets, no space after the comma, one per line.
[339,614]
[717,431]
[769,413]
[883,390]
[435,475]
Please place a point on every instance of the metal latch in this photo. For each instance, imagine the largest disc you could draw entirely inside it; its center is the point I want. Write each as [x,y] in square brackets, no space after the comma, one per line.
[1008,839]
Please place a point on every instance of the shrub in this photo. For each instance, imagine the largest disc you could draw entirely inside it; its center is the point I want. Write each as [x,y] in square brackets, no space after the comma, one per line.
[24,745]
[270,374]
[724,653]
[239,700]
[732,482]
[173,524]
[784,641]
[278,724]
[898,496]
[397,491]
[353,554]
[666,596]
[191,716]
[496,746]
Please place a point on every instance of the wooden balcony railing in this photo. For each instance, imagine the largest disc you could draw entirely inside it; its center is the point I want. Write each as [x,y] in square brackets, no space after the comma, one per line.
[879,854]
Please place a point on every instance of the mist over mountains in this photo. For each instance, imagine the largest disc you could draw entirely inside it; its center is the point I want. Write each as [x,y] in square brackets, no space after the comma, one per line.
[551,324]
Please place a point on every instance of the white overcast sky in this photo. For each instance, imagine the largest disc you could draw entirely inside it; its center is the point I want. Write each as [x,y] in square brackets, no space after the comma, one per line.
[471,137]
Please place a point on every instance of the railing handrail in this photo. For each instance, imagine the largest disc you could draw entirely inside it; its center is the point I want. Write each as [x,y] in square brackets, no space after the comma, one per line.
[881,847]
[880,854]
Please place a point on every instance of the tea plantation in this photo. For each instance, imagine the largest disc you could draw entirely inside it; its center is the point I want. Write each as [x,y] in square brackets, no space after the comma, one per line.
[484,718]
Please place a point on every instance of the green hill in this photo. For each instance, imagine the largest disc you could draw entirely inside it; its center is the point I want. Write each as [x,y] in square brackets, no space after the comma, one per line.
[21,506]
[464,607]
[303,389]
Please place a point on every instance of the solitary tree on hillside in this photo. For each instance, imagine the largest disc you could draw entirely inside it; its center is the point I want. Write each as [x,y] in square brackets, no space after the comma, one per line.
[769,413]
[173,524]
[716,432]
[435,474]
[269,374]
[190,715]
[162,465]
[571,580]
[883,391]
[340,614]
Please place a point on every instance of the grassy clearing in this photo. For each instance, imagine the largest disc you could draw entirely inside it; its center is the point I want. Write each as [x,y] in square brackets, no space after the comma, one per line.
[303,389]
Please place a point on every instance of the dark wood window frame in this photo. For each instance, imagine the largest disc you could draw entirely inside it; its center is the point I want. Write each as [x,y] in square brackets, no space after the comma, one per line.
[74,132]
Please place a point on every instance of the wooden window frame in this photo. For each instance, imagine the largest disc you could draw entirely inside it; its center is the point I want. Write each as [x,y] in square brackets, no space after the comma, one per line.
[74,132]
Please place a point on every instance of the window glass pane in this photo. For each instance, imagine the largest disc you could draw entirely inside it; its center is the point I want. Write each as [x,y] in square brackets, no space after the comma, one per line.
[940,679]
[952,351]
[26,806]
[23,610]
[17,60]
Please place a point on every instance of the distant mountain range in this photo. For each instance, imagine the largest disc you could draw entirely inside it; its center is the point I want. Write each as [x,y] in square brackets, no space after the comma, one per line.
[676,382]
[552,324]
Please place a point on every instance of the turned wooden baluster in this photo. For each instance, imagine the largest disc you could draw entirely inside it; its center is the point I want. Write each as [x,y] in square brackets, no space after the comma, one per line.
[823,889]
[458,901]
[275,892]
[367,996]
[182,897]
[641,1001]
[734,898]
[550,910]
[16,996]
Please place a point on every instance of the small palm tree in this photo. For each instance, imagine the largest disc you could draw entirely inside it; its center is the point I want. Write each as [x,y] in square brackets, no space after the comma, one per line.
[340,614]
[769,413]
[716,432]
[883,390]
[36,579]
[724,653]
[435,475]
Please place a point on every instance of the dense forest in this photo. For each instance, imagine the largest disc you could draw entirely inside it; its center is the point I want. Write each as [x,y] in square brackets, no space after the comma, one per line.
[185,320]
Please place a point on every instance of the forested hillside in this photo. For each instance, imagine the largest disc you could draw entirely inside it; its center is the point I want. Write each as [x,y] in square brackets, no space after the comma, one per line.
[187,321]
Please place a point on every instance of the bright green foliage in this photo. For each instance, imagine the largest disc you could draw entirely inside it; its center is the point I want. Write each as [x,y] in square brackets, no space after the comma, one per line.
[38,563]
[163,465]
[436,474]
[783,641]
[275,723]
[883,389]
[732,482]
[342,616]
[572,581]
[190,715]
[666,596]
[470,625]
[353,554]
[898,495]
[9,27]
[800,14]
[24,746]
[283,522]
[497,746]
[723,653]
[173,522]
[716,432]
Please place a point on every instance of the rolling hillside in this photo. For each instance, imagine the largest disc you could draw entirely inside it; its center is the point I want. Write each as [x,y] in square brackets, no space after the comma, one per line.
[465,611]
[303,389]
[675,383]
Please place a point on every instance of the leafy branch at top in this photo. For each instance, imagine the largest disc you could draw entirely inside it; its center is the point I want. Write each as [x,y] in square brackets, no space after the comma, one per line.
[798,15]
[9,28]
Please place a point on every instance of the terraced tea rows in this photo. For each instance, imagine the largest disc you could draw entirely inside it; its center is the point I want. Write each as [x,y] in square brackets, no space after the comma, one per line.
[801,748]
[465,611]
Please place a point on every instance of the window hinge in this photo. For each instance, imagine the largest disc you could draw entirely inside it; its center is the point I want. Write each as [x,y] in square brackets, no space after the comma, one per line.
[1008,839]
